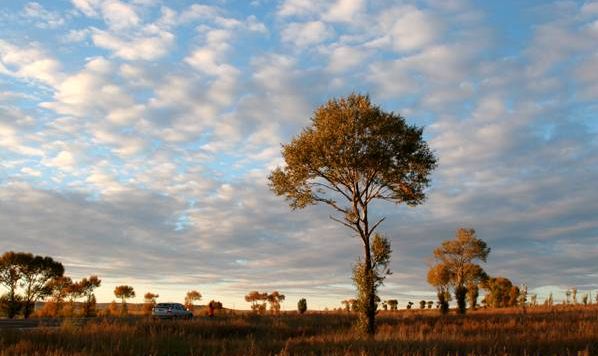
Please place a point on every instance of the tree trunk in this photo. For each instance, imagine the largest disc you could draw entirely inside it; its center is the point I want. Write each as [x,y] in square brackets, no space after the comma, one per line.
[28,309]
[460,293]
[14,305]
[370,302]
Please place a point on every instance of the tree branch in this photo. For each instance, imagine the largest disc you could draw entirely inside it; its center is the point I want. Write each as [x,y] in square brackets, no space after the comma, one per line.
[376,224]
[352,227]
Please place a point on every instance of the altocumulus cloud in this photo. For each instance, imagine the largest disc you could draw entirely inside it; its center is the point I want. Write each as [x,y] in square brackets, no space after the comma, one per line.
[136,138]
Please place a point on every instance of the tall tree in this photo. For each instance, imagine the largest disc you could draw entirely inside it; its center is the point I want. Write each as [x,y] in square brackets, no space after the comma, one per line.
[457,259]
[37,274]
[353,154]
[10,275]
[124,292]
[87,287]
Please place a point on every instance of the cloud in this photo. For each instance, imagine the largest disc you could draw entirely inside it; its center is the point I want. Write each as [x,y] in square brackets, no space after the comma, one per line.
[126,34]
[44,18]
[199,12]
[77,35]
[345,57]
[152,129]
[64,160]
[88,7]
[298,7]
[307,33]
[29,62]
[207,59]
[410,28]
[146,46]
[14,126]
[119,15]
[89,92]
[344,10]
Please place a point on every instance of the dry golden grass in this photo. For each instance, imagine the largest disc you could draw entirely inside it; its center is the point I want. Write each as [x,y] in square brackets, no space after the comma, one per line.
[571,330]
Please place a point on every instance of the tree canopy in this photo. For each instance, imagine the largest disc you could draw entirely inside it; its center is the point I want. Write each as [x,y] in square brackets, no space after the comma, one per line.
[37,273]
[124,292]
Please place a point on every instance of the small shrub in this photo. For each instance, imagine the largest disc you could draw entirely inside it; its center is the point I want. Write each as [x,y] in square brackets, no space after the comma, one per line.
[302,306]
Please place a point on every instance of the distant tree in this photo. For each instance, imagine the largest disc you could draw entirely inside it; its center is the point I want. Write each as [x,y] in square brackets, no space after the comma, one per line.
[257,300]
[354,305]
[60,288]
[113,309]
[384,305]
[302,306]
[549,301]
[393,304]
[352,154]
[37,273]
[534,299]
[409,304]
[596,297]
[346,305]
[212,307]
[75,291]
[90,306]
[500,293]
[274,299]
[87,287]
[584,299]
[522,298]
[191,297]
[457,256]
[10,275]
[149,302]
[430,304]
[439,277]
[124,292]
[422,304]
[574,295]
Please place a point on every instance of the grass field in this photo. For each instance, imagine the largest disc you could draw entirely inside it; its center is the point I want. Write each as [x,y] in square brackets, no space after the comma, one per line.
[560,330]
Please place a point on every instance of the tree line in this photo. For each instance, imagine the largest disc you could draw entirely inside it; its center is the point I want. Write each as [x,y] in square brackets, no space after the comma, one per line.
[30,278]
[258,301]
[457,269]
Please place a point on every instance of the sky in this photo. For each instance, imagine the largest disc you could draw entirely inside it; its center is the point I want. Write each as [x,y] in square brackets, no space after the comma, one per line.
[136,138]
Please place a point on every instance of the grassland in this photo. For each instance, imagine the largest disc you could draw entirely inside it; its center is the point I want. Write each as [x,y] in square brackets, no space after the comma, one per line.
[560,330]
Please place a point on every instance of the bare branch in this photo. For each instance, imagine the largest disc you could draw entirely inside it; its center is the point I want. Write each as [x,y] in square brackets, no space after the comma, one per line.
[376,225]
[332,203]
[352,227]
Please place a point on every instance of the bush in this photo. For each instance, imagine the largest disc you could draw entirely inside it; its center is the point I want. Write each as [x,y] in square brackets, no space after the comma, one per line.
[302,305]
[11,308]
